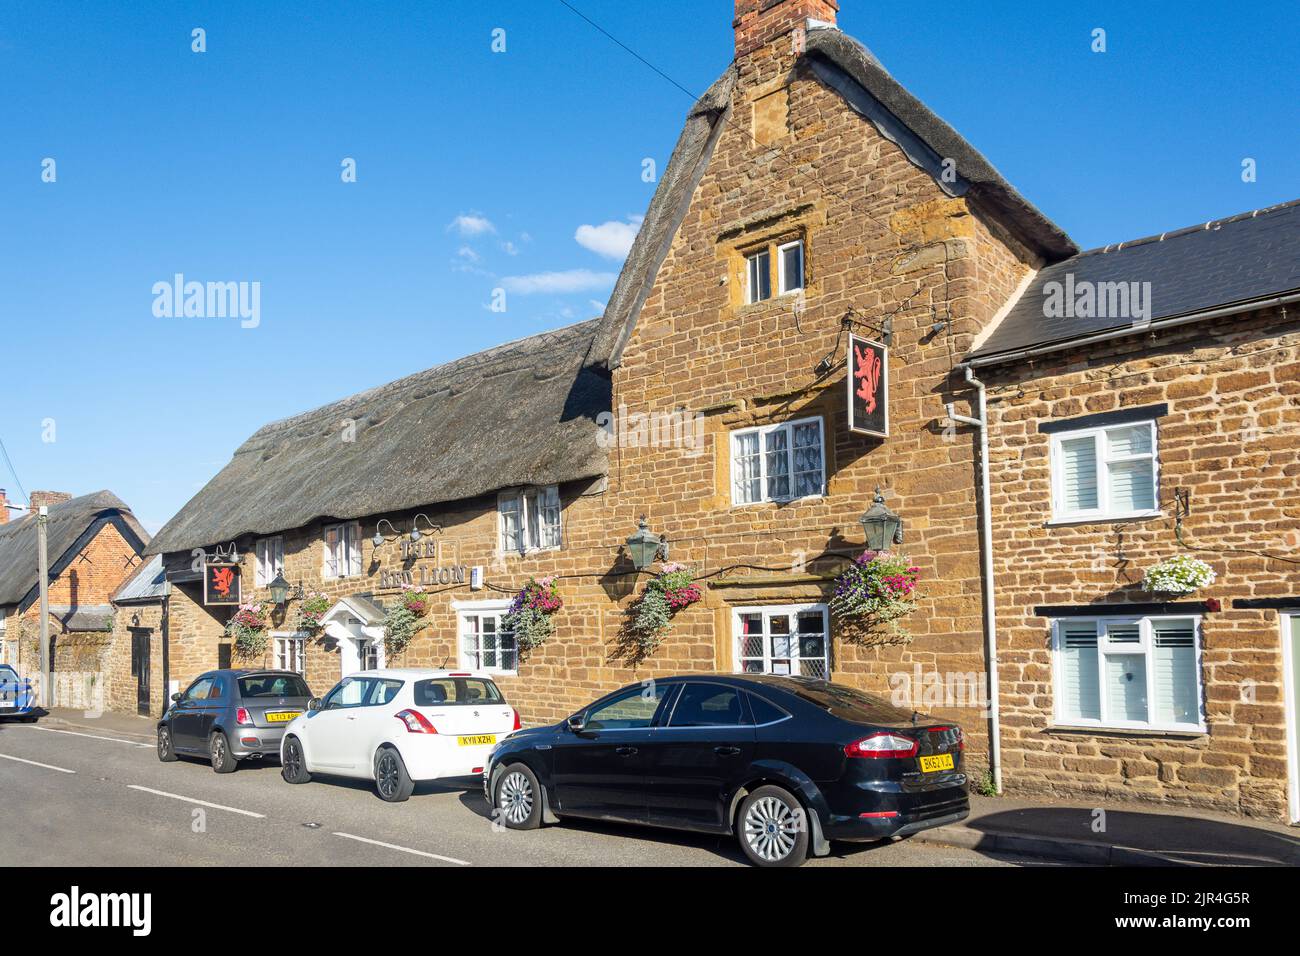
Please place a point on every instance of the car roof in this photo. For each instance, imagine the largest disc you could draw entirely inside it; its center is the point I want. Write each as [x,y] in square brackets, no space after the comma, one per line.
[420,673]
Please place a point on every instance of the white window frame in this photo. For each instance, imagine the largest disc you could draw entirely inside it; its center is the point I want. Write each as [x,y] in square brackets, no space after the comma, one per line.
[531,503]
[792,611]
[750,290]
[297,637]
[353,556]
[782,288]
[1102,512]
[466,609]
[266,567]
[1105,647]
[763,431]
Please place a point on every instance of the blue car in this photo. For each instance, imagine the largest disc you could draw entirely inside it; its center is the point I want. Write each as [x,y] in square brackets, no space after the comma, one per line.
[17,696]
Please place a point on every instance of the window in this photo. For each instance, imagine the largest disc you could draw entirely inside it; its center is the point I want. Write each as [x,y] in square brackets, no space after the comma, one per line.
[777,462]
[708,705]
[462,691]
[783,640]
[790,266]
[1128,672]
[485,646]
[530,519]
[342,550]
[630,709]
[270,560]
[759,271]
[201,689]
[349,692]
[763,711]
[290,653]
[1104,473]
[272,685]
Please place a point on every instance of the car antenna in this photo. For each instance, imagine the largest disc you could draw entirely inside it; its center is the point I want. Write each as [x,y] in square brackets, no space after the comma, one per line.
[915,714]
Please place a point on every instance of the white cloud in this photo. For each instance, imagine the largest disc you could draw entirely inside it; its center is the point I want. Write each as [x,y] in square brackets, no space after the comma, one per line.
[611,239]
[509,248]
[471,224]
[573,280]
[468,254]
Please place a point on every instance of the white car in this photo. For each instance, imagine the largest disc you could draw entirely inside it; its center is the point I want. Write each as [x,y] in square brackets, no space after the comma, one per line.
[398,726]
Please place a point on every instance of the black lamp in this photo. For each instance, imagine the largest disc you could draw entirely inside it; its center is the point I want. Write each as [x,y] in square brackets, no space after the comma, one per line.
[279,589]
[880,525]
[644,546]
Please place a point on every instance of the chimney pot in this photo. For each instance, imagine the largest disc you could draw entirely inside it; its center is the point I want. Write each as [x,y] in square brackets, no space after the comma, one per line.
[759,22]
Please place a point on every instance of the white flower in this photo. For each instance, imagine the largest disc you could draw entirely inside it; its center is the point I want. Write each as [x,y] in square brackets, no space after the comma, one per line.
[1181,574]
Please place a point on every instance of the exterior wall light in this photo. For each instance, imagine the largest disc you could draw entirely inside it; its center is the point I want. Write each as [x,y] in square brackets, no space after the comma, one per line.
[880,525]
[645,546]
[378,539]
[280,590]
[415,529]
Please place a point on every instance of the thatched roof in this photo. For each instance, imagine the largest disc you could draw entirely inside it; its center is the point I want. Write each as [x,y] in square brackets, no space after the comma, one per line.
[518,414]
[70,527]
[848,67]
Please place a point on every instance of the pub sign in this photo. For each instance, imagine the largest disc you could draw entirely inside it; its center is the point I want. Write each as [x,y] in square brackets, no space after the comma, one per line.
[868,384]
[220,584]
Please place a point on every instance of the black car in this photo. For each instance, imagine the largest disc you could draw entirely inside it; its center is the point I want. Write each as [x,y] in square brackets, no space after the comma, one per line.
[785,763]
[232,715]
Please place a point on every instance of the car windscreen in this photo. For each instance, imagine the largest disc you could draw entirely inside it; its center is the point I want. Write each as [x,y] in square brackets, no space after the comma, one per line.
[273,685]
[8,674]
[438,691]
[847,703]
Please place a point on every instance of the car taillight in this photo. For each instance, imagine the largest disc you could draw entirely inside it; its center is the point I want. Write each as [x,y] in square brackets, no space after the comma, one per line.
[241,716]
[881,745]
[518,723]
[416,722]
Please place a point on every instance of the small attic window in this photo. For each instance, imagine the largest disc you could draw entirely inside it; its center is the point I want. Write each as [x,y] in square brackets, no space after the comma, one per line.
[759,288]
[790,266]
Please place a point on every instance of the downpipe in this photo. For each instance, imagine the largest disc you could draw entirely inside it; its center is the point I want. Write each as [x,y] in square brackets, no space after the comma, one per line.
[986,572]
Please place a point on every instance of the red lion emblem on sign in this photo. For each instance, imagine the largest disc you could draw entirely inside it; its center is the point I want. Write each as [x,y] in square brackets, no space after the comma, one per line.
[222,579]
[867,370]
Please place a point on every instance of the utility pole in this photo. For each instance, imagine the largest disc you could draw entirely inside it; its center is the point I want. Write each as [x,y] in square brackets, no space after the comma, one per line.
[43,564]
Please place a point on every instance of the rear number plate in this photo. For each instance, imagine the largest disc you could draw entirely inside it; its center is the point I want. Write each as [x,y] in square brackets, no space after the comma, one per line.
[282,717]
[477,740]
[937,762]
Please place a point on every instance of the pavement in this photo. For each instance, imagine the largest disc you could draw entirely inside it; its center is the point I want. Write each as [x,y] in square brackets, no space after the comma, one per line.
[110,812]
[82,791]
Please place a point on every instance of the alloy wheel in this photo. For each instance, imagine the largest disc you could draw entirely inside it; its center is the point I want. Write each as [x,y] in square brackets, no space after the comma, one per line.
[771,829]
[218,750]
[387,774]
[515,797]
[164,742]
[292,763]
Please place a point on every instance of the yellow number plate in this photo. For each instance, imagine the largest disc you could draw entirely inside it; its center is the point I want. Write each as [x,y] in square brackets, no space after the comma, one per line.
[477,740]
[282,717]
[937,762]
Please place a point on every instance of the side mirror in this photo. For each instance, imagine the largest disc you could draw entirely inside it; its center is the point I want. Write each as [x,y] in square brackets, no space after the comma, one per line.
[176,696]
[313,704]
[576,723]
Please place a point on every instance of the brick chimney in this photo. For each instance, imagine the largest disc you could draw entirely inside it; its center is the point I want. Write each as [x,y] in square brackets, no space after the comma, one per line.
[4,507]
[50,498]
[759,22]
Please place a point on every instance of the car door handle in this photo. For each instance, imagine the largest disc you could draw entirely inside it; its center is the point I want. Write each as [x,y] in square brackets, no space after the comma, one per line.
[726,751]
[625,751]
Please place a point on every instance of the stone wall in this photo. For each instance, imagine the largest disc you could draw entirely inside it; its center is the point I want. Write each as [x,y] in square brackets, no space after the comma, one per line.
[122,684]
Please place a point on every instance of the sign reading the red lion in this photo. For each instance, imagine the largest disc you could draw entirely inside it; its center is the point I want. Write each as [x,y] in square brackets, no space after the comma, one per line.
[220,584]
[868,366]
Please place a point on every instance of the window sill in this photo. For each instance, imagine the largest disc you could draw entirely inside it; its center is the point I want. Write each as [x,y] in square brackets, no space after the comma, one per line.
[531,552]
[1103,519]
[776,501]
[1073,729]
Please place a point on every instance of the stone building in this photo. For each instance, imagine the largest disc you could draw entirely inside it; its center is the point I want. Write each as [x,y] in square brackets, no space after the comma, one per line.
[137,672]
[811,206]
[93,543]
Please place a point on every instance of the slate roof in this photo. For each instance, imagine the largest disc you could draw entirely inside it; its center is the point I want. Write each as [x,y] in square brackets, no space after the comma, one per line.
[149,583]
[1239,260]
[67,522]
[857,75]
[522,413]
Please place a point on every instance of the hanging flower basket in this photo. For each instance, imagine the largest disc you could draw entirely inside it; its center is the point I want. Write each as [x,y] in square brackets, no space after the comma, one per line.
[672,589]
[415,599]
[878,588]
[529,616]
[248,628]
[311,609]
[1181,574]
[400,625]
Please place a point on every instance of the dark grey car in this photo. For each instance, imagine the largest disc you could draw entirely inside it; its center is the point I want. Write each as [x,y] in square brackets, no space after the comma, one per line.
[232,715]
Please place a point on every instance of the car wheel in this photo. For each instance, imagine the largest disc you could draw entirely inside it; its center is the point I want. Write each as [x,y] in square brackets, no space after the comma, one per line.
[293,764]
[773,828]
[518,799]
[166,752]
[223,761]
[392,781]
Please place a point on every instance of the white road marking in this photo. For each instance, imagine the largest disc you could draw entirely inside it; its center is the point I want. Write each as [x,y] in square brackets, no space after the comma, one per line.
[202,803]
[35,764]
[116,740]
[403,849]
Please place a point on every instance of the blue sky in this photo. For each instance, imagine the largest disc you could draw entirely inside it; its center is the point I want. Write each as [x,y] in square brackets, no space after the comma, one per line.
[477,170]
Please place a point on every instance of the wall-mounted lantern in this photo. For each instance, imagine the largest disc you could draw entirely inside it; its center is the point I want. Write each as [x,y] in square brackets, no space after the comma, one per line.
[280,590]
[415,523]
[881,526]
[645,546]
[378,539]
